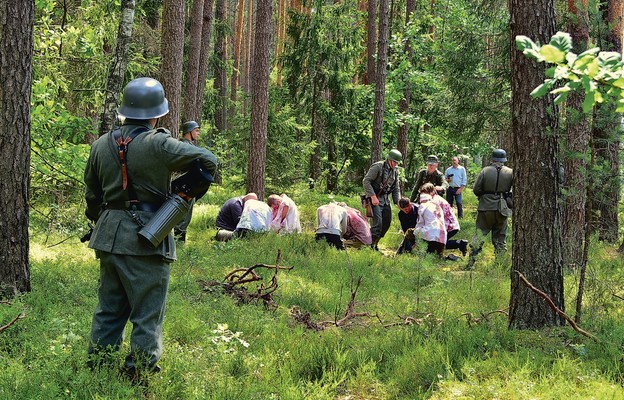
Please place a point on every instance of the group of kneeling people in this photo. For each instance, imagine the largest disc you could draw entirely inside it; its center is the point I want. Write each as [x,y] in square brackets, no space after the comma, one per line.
[433,220]
[335,221]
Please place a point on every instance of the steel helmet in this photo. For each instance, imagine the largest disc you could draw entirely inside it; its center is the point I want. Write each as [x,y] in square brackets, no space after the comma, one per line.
[395,155]
[499,155]
[143,98]
[189,126]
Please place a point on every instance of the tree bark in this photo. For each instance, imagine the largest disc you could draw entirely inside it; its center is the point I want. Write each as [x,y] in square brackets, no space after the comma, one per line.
[260,98]
[404,103]
[240,23]
[578,135]
[537,249]
[380,82]
[606,137]
[16,49]
[191,110]
[172,52]
[204,58]
[220,78]
[371,42]
[117,68]
[248,55]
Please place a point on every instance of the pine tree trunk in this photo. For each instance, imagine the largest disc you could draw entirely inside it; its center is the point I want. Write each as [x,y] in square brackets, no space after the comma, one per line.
[606,137]
[577,144]
[220,78]
[172,52]
[240,23]
[117,68]
[404,103]
[371,42]
[260,98]
[537,250]
[204,58]
[16,49]
[248,55]
[191,110]
[380,82]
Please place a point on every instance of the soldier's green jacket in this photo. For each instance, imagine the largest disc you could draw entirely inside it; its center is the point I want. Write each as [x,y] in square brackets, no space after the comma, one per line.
[485,186]
[152,157]
[379,174]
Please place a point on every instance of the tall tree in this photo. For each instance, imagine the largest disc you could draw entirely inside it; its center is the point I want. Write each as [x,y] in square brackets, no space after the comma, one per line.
[16,47]
[172,52]
[380,82]
[371,42]
[404,103]
[220,70]
[260,98]
[238,40]
[606,132]
[537,250]
[117,67]
[577,143]
[204,58]
[191,111]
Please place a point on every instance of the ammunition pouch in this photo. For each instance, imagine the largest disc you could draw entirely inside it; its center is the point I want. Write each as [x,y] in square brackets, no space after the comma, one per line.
[164,220]
[195,182]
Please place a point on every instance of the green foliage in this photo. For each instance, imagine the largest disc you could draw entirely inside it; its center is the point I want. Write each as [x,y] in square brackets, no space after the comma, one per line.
[598,74]
[218,348]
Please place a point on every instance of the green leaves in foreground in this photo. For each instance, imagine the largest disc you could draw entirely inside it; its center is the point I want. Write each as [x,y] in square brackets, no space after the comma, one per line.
[599,74]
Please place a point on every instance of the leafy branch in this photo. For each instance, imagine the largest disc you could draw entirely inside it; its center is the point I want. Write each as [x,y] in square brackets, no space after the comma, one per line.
[599,74]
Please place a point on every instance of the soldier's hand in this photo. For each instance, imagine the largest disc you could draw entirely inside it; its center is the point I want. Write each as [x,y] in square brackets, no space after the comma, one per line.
[374,200]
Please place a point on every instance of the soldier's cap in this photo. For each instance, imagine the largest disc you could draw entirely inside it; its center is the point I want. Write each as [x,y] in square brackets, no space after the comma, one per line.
[432,159]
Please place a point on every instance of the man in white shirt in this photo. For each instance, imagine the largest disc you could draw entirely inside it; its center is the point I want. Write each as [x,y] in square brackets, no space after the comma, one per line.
[457,180]
[332,224]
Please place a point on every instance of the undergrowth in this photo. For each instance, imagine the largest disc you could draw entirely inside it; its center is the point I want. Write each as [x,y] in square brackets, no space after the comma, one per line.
[430,330]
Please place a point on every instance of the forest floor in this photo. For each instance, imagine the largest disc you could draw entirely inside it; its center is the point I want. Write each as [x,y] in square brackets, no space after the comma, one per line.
[358,324]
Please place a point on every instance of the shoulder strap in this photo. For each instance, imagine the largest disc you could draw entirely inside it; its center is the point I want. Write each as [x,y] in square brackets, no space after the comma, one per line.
[122,153]
[498,169]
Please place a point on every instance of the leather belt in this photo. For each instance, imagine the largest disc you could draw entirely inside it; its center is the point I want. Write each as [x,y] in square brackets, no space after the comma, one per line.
[136,206]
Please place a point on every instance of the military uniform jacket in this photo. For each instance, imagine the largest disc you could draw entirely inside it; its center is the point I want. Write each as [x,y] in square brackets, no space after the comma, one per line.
[380,174]
[152,157]
[485,186]
[437,179]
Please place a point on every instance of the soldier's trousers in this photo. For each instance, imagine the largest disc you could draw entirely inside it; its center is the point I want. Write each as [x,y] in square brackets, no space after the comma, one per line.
[382,217]
[131,288]
[495,222]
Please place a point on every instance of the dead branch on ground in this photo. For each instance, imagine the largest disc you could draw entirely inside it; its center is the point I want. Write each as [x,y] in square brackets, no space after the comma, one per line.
[22,315]
[233,281]
[484,316]
[554,307]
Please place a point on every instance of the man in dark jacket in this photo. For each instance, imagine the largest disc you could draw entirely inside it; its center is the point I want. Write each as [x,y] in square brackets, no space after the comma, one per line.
[127,179]
[381,180]
[190,135]
[429,175]
[492,185]
[229,216]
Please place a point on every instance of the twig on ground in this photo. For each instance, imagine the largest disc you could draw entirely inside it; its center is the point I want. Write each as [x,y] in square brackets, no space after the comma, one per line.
[484,316]
[13,321]
[554,307]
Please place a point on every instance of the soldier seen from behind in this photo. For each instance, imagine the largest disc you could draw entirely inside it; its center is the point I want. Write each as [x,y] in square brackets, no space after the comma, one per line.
[128,178]
[492,187]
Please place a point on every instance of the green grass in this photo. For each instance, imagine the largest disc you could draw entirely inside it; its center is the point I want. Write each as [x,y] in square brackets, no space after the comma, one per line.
[438,355]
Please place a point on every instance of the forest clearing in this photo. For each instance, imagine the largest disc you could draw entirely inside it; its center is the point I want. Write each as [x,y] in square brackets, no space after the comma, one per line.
[111,112]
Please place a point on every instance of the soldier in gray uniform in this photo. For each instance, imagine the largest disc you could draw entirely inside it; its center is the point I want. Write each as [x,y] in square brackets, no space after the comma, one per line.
[190,135]
[493,184]
[381,180]
[127,179]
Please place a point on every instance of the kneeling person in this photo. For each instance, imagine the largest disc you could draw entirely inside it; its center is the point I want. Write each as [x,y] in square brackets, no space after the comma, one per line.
[332,223]
[230,215]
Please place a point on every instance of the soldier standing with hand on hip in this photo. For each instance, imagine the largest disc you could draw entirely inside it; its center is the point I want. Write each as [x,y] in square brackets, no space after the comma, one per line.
[127,180]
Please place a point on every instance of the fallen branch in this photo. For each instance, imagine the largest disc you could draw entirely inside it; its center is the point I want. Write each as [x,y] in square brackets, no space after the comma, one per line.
[13,321]
[233,281]
[484,316]
[554,307]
